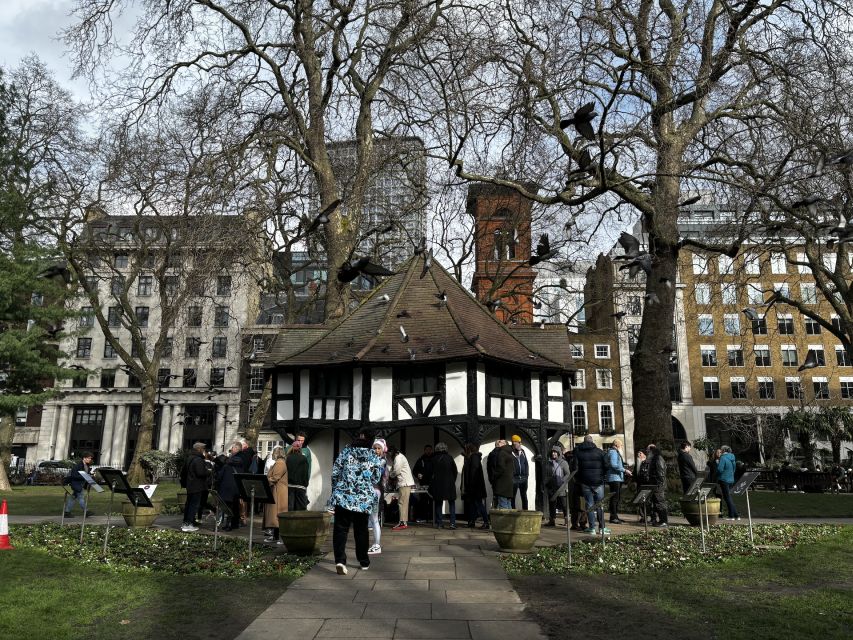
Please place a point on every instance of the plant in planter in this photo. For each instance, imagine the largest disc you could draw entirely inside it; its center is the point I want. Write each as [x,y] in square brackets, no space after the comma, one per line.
[690,509]
[516,531]
[141,517]
[304,532]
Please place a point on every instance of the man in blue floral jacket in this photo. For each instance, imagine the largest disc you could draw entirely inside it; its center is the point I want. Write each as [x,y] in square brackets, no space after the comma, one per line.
[356,471]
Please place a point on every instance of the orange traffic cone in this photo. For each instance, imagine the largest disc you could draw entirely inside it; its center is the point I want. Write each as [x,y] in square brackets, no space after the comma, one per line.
[4,528]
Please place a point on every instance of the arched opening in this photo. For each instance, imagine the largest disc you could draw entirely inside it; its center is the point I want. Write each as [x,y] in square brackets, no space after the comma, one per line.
[679,433]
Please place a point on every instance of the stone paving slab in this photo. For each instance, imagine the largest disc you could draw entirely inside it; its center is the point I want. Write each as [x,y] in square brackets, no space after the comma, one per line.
[322,610]
[422,629]
[497,597]
[400,596]
[361,628]
[408,610]
[478,611]
[294,629]
[506,630]
[401,585]
[470,585]
[447,574]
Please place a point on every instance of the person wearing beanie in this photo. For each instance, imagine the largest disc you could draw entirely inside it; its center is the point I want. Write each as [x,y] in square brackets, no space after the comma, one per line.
[380,449]
[556,481]
[521,473]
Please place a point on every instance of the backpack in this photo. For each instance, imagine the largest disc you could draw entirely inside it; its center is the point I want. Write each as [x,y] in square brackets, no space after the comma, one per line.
[253,467]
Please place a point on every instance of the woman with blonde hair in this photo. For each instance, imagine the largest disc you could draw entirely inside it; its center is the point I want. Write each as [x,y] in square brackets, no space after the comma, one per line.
[277,477]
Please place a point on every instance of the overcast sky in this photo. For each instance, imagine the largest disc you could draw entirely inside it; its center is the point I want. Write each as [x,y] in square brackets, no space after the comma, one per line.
[31,26]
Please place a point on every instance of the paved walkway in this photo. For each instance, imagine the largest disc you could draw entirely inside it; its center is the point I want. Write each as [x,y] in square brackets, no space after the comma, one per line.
[426,583]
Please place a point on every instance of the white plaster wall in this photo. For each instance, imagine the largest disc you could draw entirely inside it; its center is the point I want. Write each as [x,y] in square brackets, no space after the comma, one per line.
[381,394]
[284,383]
[357,382]
[304,393]
[481,390]
[320,483]
[456,383]
[534,396]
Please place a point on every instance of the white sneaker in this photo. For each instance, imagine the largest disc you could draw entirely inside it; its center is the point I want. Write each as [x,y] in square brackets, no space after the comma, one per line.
[269,539]
[374,549]
[188,528]
[341,569]
[279,541]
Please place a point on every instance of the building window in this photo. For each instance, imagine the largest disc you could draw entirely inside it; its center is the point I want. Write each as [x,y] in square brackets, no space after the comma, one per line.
[604,378]
[706,325]
[634,306]
[754,294]
[829,261]
[331,383]
[577,350]
[223,285]
[217,377]
[606,424]
[751,264]
[735,355]
[132,381]
[418,381]
[808,293]
[762,356]
[87,317]
[256,379]
[579,379]
[84,347]
[80,380]
[192,346]
[117,285]
[700,265]
[506,384]
[220,316]
[141,316]
[819,355]
[725,265]
[782,288]
[731,324]
[759,327]
[702,293]
[189,378]
[121,261]
[220,347]
[821,388]
[712,388]
[633,332]
[108,378]
[709,355]
[793,388]
[602,351]
[729,293]
[194,316]
[835,320]
[137,347]
[196,286]
[109,351]
[114,317]
[738,389]
[144,285]
[812,327]
[259,344]
[785,324]
[803,264]
[789,355]
[164,377]
[842,357]
[167,347]
[778,263]
[579,423]
[21,416]
[766,390]
[37,299]
[170,285]
[847,388]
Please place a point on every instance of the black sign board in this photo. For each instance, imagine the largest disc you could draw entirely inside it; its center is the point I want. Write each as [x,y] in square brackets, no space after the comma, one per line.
[744,481]
[693,489]
[139,498]
[248,481]
[219,503]
[642,496]
[116,478]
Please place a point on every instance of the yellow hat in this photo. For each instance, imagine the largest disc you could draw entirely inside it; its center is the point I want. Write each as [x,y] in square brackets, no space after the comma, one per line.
[516,438]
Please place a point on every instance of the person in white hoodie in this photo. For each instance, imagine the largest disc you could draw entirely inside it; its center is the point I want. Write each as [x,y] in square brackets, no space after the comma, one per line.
[398,469]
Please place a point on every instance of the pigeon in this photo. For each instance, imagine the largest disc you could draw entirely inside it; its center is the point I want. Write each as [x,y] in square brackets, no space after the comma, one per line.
[442,298]
[751,314]
[412,353]
[333,355]
[619,315]
[323,216]
[845,158]
[383,299]
[351,269]
[652,298]
[404,337]
[427,263]
[543,251]
[689,201]
[421,246]
[630,245]
[537,304]
[442,348]
[474,339]
[57,272]
[404,314]
[809,202]
[582,120]
[810,362]
[818,170]
[492,305]
[428,348]
[642,261]
[667,350]
[666,282]
[76,367]
[385,348]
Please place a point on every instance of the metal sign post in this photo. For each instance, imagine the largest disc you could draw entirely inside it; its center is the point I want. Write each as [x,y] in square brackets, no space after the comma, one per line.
[742,486]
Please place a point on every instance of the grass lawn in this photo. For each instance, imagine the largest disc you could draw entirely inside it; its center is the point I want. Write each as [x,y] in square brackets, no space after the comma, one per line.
[775,504]
[48,501]
[54,599]
[804,592]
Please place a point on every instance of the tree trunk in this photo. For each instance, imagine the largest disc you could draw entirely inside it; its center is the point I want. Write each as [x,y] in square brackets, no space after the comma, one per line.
[7,434]
[136,474]
[835,443]
[261,411]
[805,440]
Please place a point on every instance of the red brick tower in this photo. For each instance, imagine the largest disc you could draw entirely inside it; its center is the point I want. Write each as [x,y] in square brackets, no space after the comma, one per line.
[502,246]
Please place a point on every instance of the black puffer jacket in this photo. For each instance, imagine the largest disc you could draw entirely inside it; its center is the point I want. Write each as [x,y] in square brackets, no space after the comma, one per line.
[444,472]
[591,464]
[197,473]
[473,481]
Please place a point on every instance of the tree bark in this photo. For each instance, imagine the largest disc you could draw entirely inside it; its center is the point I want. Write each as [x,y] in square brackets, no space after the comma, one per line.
[7,434]
[136,473]
[261,411]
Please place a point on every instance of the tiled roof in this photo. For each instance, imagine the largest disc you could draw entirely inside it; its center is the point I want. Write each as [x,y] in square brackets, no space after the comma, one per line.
[461,328]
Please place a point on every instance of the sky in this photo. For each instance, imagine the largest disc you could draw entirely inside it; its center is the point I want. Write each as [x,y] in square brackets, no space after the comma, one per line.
[31,26]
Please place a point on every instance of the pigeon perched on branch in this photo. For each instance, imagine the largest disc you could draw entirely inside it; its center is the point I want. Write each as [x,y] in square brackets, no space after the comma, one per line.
[351,269]
[543,251]
[810,362]
[582,121]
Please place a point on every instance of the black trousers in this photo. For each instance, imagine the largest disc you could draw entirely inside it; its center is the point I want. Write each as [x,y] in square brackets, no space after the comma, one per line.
[344,518]
[297,499]
[553,504]
[520,487]
[615,497]
[659,502]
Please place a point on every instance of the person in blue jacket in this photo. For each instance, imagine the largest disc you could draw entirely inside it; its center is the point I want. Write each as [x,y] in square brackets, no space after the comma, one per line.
[726,478]
[614,477]
[77,485]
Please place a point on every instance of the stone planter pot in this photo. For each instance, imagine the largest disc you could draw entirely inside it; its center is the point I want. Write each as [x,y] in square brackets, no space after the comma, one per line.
[515,531]
[690,509]
[304,532]
[182,498]
[141,517]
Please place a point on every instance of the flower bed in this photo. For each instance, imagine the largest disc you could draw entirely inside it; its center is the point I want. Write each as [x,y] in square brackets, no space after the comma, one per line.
[677,547]
[159,550]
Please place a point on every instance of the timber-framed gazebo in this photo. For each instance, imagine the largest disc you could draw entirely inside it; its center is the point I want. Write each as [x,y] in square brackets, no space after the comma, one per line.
[420,356]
